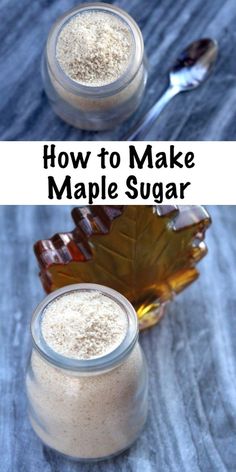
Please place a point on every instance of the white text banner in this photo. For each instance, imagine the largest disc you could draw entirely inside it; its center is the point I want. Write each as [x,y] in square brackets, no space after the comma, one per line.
[80,173]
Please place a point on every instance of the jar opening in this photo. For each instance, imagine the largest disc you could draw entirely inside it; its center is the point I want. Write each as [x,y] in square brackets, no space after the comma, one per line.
[108,16]
[108,88]
[102,362]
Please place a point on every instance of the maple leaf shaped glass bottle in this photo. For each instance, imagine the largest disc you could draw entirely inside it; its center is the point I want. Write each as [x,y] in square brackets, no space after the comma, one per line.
[147,253]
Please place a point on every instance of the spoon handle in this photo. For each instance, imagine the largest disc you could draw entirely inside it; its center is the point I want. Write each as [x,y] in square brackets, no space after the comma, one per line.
[141,128]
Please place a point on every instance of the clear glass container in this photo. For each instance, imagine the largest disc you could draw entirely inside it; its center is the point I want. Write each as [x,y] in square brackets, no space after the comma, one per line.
[148,253]
[87,409]
[95,107]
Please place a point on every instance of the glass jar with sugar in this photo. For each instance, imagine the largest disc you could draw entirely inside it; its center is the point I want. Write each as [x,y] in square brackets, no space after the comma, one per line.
[94,67]
[87,379]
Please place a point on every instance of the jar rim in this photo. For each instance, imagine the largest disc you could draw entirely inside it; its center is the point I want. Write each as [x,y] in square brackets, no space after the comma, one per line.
[117,85]
[105,362]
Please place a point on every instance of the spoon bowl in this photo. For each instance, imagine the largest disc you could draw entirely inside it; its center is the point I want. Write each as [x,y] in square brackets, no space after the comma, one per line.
[194,64]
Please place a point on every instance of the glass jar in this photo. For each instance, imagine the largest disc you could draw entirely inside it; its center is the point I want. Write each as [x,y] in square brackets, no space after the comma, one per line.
[95,107]
[87,409]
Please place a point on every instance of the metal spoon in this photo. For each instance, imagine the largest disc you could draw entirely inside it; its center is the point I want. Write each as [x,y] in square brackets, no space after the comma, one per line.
[191,69]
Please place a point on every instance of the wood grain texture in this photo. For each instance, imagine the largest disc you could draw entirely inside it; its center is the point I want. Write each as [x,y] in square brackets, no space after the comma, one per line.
[205,114]
[191,358]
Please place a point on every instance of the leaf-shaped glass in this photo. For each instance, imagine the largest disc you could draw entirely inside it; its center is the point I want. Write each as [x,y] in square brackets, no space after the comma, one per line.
[147,253]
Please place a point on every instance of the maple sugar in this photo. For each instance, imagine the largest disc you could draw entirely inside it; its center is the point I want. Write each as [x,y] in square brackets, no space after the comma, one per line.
[94,48]
[94,70]
[83,325]
[87,414]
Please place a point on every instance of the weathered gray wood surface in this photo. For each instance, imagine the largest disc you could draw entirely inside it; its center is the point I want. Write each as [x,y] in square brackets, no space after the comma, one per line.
[167,25]
[191,356]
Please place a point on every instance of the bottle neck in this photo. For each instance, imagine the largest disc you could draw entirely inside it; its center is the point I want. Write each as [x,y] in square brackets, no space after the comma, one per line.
[93,365]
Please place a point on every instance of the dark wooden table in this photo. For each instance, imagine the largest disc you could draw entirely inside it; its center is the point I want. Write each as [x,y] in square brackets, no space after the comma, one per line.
[191,357]
[168,26]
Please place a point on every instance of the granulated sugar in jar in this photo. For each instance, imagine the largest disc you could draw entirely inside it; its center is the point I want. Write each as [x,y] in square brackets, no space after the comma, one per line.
[87,380]
[94,67]
[94,48]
